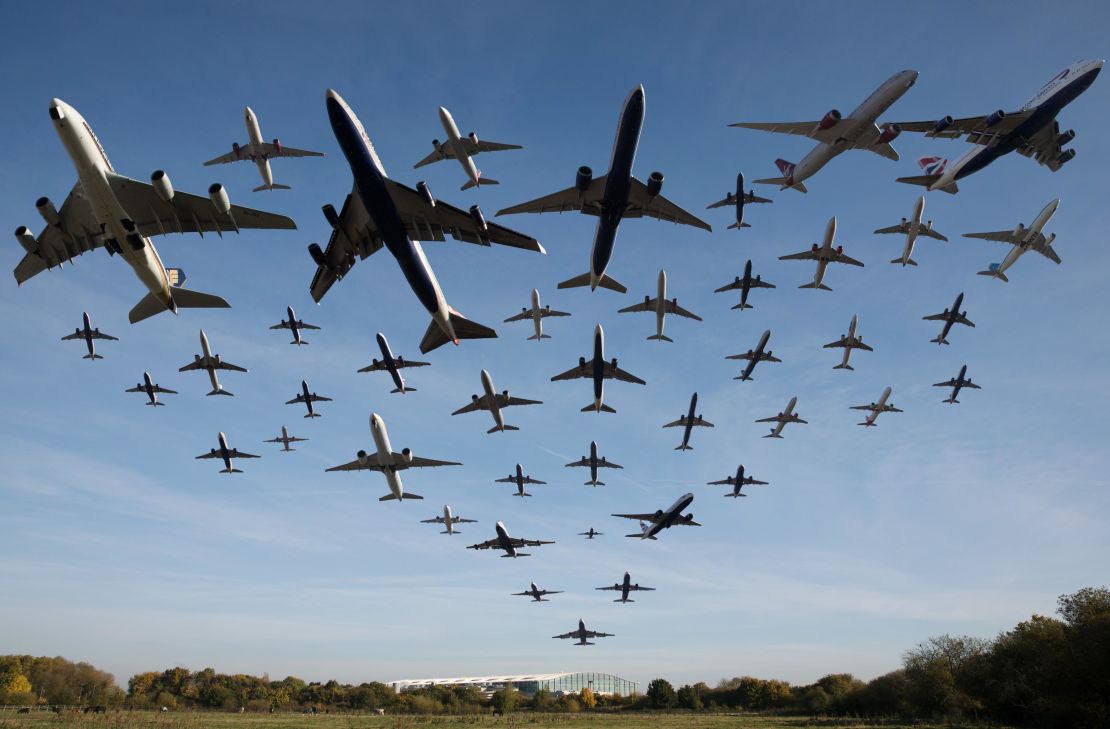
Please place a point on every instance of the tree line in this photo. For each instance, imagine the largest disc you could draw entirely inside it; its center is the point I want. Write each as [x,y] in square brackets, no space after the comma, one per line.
[1046,672]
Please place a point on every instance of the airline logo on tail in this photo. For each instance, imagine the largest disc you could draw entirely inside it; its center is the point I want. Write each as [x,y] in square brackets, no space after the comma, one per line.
[785,168]
[994,267]
[176,277]
[932,165]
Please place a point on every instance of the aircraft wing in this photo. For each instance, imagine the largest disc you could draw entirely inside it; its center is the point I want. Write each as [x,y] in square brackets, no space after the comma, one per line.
[576,634]
[641,202]
[616,373]
[648,305]
[588,201]
[529,543]
[607,464]
[883,150]
[950,383]
[900,228]
[595,634]
[862,407]
[639,517]
[483,146]
[844,258]
[612,587]
[772,419]
[210,454]
[637,588]
[491,544]
[224,159]
[584,463]
[522,316]
[419,462]
[236,453]
[282,325]
[75,335]
[167,391]
[676,423]
[998,236]
[355,465]
[222,365]
[436,520]
[102,335]
[354,235]
[810,255]
[930,233]
[139,388]
[507,401]
[460,520]
[753,198]
[529,479]
[754,482]
[795,419]
[552,312]
[273,150]
[936,317]
[1044,146]
[760,284]
[200,363]
[302,325]
[730,201]
[961,319]
[576,372]
[477,403]
[973,127]
[77,231]
[297,399]
[672,308]
[443,152]
[802,129]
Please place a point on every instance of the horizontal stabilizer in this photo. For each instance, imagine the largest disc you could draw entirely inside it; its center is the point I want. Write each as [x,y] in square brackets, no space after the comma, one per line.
[661,338]
[496,428]
[593,483]
[812,285]
[447,532]
[734,226]
[629,599]
[939,340]
[772,435]
[844,367]
[782,183]
[907,262]
[150,304]
[396,390]
[604,408]
[303,341]
[539,337]
[994,273]
[93,356]
[684,447]
[734,496]
[312,415]
[742,306]
[156,403]
[274,186]
[518,554]
[231,470]
[391,497]
[952,401]
[926,180]
[220,391]
[481,181]
[584,280]
[464,329]
[522,493]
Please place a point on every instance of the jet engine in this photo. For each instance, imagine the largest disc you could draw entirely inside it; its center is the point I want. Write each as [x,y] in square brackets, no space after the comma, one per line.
[26,239]
[362,457]
[473,137]
[235,149]
[161,182]
[317,254]
[47,210]
[613,362]
[1065,137]
[1066,156]
[654,183]
[889,133]
[943,123]
[829,119]
[406,455]
[474,398]
[330,215]
[583,179]
[426,193]
[277,146]
[479,219]
[581,361]
[505,394]
[218,195]
[994,117]
[839,250]
[435,144]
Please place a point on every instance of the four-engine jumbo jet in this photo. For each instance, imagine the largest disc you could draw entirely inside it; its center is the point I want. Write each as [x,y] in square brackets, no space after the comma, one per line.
[745,285]
[911,229]
[259,151]
[624,587]
[591,533]
[738,201]
[737,482]
[957,383]
[388,462]
[593,462]
[660,306]
[612,197]
[1022,239]
[824,255]
[848,342]
[88,333]
[494,402]
[875,409]
[687,423]
[598,370]
[582,635]
[754,357]
[381,212]
[462,148]
[119,213]
[392,365]
[151,390]
[1033,131]
[449,521]
[308,398]
[227,455]
[508,543]
[536,314]
[294,325]
[786,416]
[950,317]
[210,363]
[285,439]
[536,593]
[519,479]
[652,524]
[836,133]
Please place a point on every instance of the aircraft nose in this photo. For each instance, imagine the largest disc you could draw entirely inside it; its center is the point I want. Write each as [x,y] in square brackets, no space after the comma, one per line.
[57,109]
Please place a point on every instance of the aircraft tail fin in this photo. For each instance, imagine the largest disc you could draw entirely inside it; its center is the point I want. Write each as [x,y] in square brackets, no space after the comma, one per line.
[396,390]
[464,328]
[606,282]
[220,391]
[734,226]
[844,366]
[812,285]
[742,306]
[94,355]
[539,337]
[481,181]
[496,428]
[274,186]
[604,408]
[660,338]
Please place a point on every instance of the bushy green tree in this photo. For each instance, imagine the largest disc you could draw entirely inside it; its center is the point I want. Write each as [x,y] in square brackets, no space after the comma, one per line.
[661,694]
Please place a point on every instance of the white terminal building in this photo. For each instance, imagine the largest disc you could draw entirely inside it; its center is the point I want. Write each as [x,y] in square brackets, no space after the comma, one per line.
[531,683]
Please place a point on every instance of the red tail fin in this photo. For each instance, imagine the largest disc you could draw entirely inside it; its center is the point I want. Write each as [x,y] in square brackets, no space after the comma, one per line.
[785,168]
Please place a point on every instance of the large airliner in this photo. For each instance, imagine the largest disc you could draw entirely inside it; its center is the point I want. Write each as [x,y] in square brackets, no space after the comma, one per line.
[1022,239]
[1033,131]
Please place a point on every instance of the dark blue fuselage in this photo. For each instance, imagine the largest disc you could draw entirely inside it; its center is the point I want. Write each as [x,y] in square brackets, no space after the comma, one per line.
[618,182]
[390,363]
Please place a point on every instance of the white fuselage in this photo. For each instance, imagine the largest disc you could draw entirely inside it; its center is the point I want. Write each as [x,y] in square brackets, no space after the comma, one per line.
[456,146]
[661,304]
[537,315]
[491,399]
[913,227]
[254,135]
[448,520]
[385,456]
[826,252]
[225,453]
[285,439]
[93,169]
[206,354]
[851,338]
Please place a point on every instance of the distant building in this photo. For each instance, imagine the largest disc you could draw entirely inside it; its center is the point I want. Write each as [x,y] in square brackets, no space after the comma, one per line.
[530,683]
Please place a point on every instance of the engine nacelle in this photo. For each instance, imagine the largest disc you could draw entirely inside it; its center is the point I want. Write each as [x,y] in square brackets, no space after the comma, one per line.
[654,183]
[1066,156]
[317,254]
[613,362]
[829,119]
[406,455]
[505,394]
[581,361]
[815,248]
[1051,237]
[994,117]
[943,123]
[473,137]
[426,193]
[161,182]
[362,457]
[839,250]
[47,210]
[277,146]
[235,149]
[435,144]
[474,398]
[478,218]
[646,299]
[583,179]
[26,239]
[218,195]
[330,215]
[889,133]
[1065,137]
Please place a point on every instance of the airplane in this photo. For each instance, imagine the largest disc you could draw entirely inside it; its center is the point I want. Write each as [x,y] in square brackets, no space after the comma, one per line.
[737,482]
[294,325]
[848,342]
[612,197]
[593,462]
[626,586]
[1033,131]
[836,133]
[582,635]
[392,365]
[661,306]
[687,423]
[389,462]
[536,314]
[958,383]
[738,201]
[308,398]
[448,521]
[745,284]
[876,408]
[950,317]
[227,455]
[824,255]
[285,439]
[151,390]
[598,370]
[88,333]
[1022,239]
[536,593]
[520,480]
[382,212]
[754,357]
[652,524]
[780,420]
[463,149]
[508,543]
[210,363]
[260,152]
[591,533]
[911,229]
[119,213]
[494,402]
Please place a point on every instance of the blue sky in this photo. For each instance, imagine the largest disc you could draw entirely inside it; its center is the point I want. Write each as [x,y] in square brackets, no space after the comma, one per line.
[121,549]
